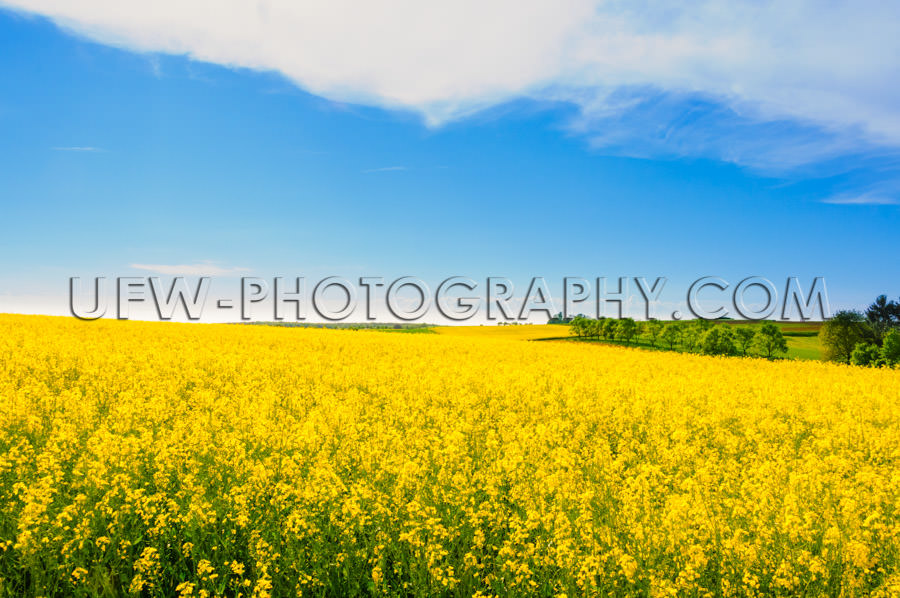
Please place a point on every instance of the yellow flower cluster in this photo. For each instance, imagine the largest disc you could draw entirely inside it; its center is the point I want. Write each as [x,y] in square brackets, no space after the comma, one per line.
[168,459]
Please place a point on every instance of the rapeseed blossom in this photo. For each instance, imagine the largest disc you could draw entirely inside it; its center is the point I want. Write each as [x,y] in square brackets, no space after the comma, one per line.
[165,459]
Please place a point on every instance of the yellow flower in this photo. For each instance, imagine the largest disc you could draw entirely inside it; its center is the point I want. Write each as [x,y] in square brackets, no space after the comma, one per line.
[78,574]
[468,460]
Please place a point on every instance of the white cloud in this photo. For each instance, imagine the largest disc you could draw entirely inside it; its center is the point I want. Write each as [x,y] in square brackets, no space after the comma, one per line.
[201,269]
[832,67]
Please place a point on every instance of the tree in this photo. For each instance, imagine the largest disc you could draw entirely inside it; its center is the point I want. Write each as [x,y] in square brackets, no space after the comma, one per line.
[882,315]
[703,324]
[639,329]
[890,348]
[560,319]
[865,354]
[609,328]
[743,338]
[671,334]
[769,340]
[842,332]
[653,329]
[718,340]
[577,326]
[690,335]
[626,329]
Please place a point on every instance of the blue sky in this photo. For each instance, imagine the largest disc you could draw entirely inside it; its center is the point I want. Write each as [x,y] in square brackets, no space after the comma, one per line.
[116,153]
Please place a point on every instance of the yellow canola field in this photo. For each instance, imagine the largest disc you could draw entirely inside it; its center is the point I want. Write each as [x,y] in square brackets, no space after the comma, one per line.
[166,459]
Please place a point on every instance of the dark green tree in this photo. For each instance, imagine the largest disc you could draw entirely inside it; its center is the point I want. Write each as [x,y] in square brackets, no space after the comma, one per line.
[609,328]
[882,315]
[718,340]
[890,348]
[867,354]
[840,334]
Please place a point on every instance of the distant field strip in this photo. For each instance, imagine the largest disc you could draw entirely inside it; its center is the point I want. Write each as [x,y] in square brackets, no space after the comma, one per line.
[802,337]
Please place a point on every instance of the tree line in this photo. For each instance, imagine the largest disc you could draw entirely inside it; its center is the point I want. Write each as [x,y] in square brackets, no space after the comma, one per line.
[870,338]
[694,336]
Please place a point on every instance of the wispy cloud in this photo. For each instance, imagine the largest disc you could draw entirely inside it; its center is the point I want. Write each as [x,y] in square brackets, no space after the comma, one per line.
[386,169]
[77,148]
[644,122]
[883,191]
[155,65]
[864,199]
[201,269]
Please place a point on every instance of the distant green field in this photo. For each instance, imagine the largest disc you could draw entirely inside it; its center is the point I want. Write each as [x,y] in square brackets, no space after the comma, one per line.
[802,339]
